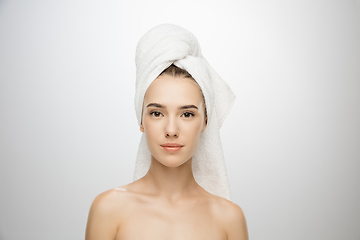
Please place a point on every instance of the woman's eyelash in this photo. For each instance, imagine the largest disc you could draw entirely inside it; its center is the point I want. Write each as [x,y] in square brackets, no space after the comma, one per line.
[159,114]
[188,114]
[155,113]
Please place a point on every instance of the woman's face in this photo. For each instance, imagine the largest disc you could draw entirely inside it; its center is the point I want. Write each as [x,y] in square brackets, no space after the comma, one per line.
[173,119]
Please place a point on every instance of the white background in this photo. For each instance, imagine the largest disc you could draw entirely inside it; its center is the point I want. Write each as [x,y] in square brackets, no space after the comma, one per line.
[68,129]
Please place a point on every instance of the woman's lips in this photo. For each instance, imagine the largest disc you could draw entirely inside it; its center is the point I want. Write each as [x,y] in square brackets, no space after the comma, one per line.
[171,147]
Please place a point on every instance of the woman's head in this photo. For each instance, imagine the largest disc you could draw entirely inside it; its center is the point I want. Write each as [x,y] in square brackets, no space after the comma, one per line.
[173,117]
[157,48]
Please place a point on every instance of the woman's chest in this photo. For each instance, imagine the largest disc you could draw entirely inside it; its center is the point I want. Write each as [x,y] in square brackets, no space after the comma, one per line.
[170,224]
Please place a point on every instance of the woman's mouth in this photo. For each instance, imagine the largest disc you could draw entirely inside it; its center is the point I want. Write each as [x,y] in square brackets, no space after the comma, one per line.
[171,147]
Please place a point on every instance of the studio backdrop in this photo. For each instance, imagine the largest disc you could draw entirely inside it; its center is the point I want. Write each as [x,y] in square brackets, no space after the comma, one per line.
[68,129]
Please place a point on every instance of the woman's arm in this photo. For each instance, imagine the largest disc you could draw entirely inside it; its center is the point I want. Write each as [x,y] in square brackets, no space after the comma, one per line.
[102,222]
[236,223]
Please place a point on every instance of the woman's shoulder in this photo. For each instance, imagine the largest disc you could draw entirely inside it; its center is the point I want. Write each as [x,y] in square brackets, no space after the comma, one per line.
[108,196]
[225,208]
[115,197]
[230,216]
[106,202]
[106,213]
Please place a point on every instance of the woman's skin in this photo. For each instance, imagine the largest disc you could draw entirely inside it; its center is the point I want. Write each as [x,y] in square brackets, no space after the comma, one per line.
[167,203]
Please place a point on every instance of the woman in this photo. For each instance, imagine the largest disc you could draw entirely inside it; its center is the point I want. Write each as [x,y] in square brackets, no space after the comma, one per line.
[181,186]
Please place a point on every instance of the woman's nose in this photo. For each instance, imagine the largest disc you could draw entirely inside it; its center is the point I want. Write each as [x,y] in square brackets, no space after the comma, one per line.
[171,129]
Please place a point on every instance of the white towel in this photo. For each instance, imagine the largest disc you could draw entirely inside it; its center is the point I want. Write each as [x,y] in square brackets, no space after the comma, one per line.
[169,44]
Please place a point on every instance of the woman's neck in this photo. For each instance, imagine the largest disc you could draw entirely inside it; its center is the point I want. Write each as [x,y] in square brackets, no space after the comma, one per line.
[170,182]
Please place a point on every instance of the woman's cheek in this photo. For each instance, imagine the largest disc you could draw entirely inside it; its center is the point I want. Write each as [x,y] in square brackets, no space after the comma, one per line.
[195,130]
[151,128]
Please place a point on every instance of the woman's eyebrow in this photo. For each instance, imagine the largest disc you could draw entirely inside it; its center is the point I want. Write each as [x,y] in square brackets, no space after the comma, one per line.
[158,105]
[188,106]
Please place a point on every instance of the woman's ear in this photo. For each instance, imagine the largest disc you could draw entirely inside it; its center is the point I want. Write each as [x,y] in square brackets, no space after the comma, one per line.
[142,128]
[203,129]
[205,125]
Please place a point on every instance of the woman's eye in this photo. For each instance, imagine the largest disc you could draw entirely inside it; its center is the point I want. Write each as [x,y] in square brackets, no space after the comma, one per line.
[155,114]
[188,114]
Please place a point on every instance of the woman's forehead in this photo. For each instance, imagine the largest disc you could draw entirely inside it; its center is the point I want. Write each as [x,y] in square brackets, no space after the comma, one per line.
[167,89]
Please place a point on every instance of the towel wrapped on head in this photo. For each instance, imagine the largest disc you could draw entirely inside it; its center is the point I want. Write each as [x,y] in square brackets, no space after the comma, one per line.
[159,48]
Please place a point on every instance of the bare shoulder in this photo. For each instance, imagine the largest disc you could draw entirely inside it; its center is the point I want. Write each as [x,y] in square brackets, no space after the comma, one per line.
[108,202]
[231,217]
[105,214]
[109,198]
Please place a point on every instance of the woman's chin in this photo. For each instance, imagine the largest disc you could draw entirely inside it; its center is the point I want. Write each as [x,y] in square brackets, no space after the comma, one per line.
[172,162]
